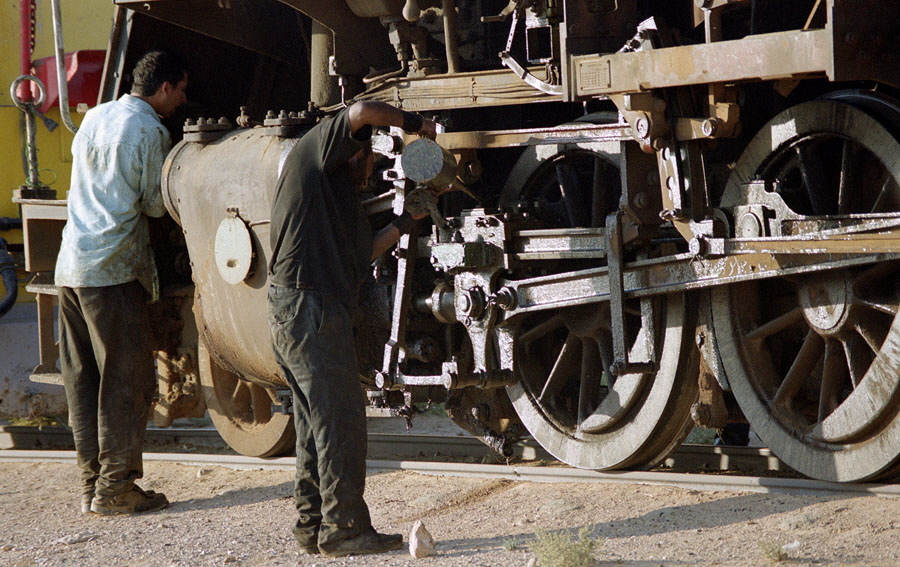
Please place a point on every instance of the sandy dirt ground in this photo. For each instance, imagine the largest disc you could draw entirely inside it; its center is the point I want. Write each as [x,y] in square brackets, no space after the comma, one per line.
[228,517]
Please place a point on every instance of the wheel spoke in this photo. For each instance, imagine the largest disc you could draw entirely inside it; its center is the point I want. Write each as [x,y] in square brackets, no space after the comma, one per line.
[812,170]
[261,403]
[240,395]
[562,368]
[866,333]
[776,325]
[875,274]
[803,365]
[598,210]
[880,307]
[832,372]
[541,329]
[591,373]
[568,188]
[883,194]
[604,343]
[858,358]
[848,157]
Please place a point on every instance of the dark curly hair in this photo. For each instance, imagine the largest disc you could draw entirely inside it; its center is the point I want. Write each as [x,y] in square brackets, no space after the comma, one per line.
[155,68]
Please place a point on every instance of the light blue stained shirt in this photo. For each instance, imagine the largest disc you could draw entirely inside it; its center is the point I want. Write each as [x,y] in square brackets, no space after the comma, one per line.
[118,155]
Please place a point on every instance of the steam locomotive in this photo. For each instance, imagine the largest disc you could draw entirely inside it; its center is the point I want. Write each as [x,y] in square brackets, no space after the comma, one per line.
[667,213]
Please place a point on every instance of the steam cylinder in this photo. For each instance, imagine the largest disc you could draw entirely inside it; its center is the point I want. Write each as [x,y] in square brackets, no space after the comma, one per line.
[221,195]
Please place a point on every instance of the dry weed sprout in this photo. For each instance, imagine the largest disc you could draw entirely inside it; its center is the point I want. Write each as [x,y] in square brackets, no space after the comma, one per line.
[560,549]
[772,551]
[511,544]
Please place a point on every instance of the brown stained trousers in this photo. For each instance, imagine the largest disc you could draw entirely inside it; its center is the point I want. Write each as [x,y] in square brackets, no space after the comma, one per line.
[312,336]
[107,364]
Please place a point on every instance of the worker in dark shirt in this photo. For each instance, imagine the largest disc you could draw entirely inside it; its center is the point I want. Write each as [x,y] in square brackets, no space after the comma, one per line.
[322,247]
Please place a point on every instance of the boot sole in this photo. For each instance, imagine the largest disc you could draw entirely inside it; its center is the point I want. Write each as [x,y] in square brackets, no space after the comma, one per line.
[106,511]
[366,551]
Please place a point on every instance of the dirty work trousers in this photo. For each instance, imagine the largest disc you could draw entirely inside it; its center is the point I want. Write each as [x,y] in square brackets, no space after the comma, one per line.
[106,357]
[312,336]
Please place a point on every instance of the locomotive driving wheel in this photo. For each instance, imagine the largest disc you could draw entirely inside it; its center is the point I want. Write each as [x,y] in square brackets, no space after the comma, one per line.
[243,412]
[566,396]
[814,360]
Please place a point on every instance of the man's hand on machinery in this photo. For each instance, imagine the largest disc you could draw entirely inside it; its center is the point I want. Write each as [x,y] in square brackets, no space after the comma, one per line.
[428,129]
[415,124]
[428,201]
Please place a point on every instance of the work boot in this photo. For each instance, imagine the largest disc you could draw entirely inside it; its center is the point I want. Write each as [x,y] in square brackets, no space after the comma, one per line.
[307,539]
[86,503]
[369,541]
[134,501]
[87,495]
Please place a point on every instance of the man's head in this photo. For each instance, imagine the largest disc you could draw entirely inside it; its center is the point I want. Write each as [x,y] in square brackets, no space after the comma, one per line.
[160,78]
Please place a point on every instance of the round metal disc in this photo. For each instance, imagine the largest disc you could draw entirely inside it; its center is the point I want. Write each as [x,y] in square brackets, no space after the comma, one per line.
[234,250]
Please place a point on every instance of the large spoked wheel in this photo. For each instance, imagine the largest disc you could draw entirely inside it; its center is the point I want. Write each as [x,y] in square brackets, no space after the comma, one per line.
[243,412]
[814,360]
[566,396]
[579,412]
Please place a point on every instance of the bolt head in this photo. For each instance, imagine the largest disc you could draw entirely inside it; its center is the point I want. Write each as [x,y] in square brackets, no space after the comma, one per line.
[709,127]
[642,127]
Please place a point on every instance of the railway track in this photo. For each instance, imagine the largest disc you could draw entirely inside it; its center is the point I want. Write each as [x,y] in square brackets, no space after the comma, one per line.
[694,467]
[405,446]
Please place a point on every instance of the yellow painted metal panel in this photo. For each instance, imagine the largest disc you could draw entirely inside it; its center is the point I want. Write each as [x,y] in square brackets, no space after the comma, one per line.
[86,25]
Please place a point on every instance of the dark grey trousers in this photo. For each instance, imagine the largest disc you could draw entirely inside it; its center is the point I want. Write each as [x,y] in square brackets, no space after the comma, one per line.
[106,356]
[312,336]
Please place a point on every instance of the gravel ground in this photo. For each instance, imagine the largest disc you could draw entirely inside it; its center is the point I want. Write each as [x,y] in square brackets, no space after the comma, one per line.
[221,516]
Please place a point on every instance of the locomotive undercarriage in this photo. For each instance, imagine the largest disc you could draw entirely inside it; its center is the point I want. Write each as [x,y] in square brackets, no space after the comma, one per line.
[709,202]
[594,402]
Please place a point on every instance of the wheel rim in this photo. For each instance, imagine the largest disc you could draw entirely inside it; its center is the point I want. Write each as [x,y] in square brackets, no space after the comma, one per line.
[813,360]
[243,412]
[571,407]
[565,395]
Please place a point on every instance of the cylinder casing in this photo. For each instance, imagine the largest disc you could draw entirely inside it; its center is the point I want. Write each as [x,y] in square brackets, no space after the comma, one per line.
[203,184]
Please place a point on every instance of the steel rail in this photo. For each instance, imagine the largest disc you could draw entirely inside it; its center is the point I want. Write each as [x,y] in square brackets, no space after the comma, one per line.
[412,445]
[545,474]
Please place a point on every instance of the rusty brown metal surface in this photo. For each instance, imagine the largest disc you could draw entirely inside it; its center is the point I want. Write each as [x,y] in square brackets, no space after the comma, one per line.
[462,90]
[203,184]
[359,43]
[566,134]
[43,221]
[783,55]
[866,41]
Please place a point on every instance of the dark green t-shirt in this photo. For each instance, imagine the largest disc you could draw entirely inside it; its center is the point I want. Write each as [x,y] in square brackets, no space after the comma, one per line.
[321,239]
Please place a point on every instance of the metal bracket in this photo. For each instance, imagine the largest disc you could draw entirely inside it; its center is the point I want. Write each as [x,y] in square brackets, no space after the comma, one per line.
[615,252]
[513,64]
[285,401]
[406,257]
[290,124]
[205,130]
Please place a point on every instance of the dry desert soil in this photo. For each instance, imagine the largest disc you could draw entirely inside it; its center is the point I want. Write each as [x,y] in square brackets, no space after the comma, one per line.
[225,517]
[228,517]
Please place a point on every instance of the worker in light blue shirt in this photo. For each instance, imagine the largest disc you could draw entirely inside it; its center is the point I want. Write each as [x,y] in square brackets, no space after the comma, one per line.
[106,275]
